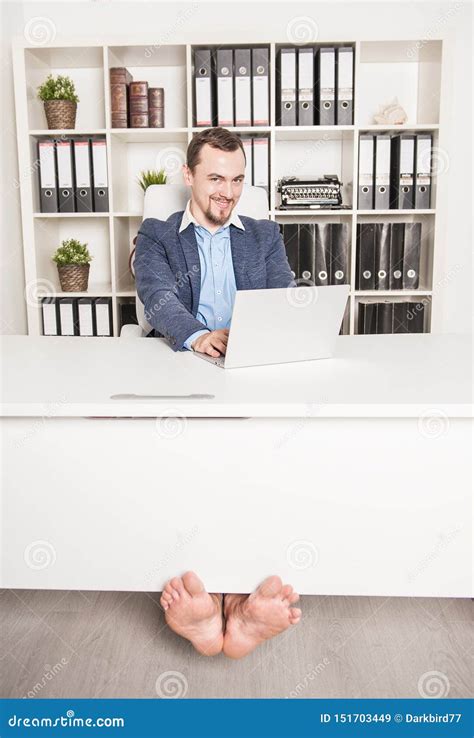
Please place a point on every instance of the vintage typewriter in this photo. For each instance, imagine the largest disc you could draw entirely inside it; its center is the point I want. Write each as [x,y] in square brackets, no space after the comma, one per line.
[311,193]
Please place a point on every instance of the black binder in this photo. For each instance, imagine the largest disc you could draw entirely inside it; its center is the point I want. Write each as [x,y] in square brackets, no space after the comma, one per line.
[322,243]
[65,162]
[103,316]
[291,241]
[50,315]
[286,87]
[366,322]
[68,316]
[204,88]
[100,175]
[345,85]
[415,316]
[47,176]
[402,172]
[225,87]
[400,319]
[396,256]
[365,256]
[306,86]
[260,87]
[326,86]
[83,175]
[366,172]
[339,253]
[242,87]
[423,170]
[306,253]
[382,256]
[384,317]
[411,256]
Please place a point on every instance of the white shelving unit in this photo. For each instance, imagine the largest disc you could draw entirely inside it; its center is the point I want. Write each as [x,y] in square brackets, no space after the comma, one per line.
[409,70]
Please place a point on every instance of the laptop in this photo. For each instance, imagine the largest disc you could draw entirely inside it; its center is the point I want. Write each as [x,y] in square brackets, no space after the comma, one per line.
[277,326]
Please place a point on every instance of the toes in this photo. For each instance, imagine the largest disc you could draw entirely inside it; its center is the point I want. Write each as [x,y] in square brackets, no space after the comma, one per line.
[270,587]
[295,615]
[192,583]
[177,587]
[167,597]
[294,598]
[286,592]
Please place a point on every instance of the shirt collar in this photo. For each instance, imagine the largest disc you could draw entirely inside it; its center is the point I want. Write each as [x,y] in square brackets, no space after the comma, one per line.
[188,218]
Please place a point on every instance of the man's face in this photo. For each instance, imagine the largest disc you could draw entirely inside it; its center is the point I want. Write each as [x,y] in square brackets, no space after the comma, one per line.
[216,183]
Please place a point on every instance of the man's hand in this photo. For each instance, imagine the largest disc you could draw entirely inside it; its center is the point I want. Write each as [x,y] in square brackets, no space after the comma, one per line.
[214,343]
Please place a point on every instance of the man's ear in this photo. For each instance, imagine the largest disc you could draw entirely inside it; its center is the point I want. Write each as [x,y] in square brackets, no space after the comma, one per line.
[187,175]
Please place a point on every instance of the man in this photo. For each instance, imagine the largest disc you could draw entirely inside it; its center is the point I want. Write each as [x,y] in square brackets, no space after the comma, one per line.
[187,271]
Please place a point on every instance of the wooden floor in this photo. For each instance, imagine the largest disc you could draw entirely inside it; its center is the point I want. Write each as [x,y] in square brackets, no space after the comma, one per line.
[116,644]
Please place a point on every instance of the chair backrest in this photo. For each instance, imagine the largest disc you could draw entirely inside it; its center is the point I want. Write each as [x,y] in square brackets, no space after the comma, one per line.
[163,200]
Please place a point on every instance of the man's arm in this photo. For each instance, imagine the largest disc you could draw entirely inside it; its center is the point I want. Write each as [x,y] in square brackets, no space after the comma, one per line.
[278,269]
[156,289]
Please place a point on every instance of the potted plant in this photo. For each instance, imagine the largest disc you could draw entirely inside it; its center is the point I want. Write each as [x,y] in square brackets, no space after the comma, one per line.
[146,178]
[73,262]
[151,177]
[60,101]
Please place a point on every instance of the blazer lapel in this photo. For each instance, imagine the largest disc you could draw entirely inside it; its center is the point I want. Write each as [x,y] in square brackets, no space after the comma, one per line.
[238,245]
[187,239]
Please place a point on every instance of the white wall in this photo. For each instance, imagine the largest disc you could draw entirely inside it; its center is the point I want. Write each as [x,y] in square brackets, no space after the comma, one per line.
[225,22]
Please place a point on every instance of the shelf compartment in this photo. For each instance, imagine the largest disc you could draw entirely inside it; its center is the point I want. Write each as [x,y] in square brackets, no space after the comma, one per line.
[314,154]
[407,70]
[84,65]
[49,233]
[129,159]
[160,66]
[427,243]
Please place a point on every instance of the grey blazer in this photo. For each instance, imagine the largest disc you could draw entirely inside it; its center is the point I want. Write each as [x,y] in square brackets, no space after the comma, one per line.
[168,271]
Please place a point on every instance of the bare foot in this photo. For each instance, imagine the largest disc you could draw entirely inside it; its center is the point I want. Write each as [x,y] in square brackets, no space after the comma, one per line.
[252,619]
[194,613]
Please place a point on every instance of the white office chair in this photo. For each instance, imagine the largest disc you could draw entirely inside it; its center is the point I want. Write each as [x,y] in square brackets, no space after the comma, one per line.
[163,200]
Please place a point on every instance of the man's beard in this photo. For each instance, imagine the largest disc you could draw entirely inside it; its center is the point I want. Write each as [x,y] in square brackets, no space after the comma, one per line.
[218,219]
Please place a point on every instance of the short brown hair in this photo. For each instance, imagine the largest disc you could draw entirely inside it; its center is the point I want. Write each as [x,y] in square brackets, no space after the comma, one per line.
[218,138]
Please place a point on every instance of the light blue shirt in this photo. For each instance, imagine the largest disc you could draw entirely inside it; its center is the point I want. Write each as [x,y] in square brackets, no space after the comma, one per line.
[217,295]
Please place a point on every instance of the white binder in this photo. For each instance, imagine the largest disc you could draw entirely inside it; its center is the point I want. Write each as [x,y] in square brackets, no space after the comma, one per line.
[86,322]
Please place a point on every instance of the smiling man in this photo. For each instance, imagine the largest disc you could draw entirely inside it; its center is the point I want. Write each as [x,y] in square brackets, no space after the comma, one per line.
[189,267]
[187,271]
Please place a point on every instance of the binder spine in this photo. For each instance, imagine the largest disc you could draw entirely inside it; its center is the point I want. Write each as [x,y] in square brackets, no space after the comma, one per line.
[423,171]
[411,256]
[366,172]
[365,256]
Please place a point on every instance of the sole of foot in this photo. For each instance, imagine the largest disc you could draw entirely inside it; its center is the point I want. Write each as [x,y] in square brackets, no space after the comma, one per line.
[255,618]
[193,613]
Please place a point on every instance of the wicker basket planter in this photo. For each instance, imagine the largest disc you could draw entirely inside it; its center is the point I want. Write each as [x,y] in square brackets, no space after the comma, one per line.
[74,277]
[60,113]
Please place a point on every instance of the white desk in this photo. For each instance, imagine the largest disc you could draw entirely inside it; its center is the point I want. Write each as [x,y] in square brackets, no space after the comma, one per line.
[345,476]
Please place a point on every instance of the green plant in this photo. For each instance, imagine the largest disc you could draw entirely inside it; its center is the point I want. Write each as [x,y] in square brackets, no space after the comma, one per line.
[72,251]
[151,177]
[59,88]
